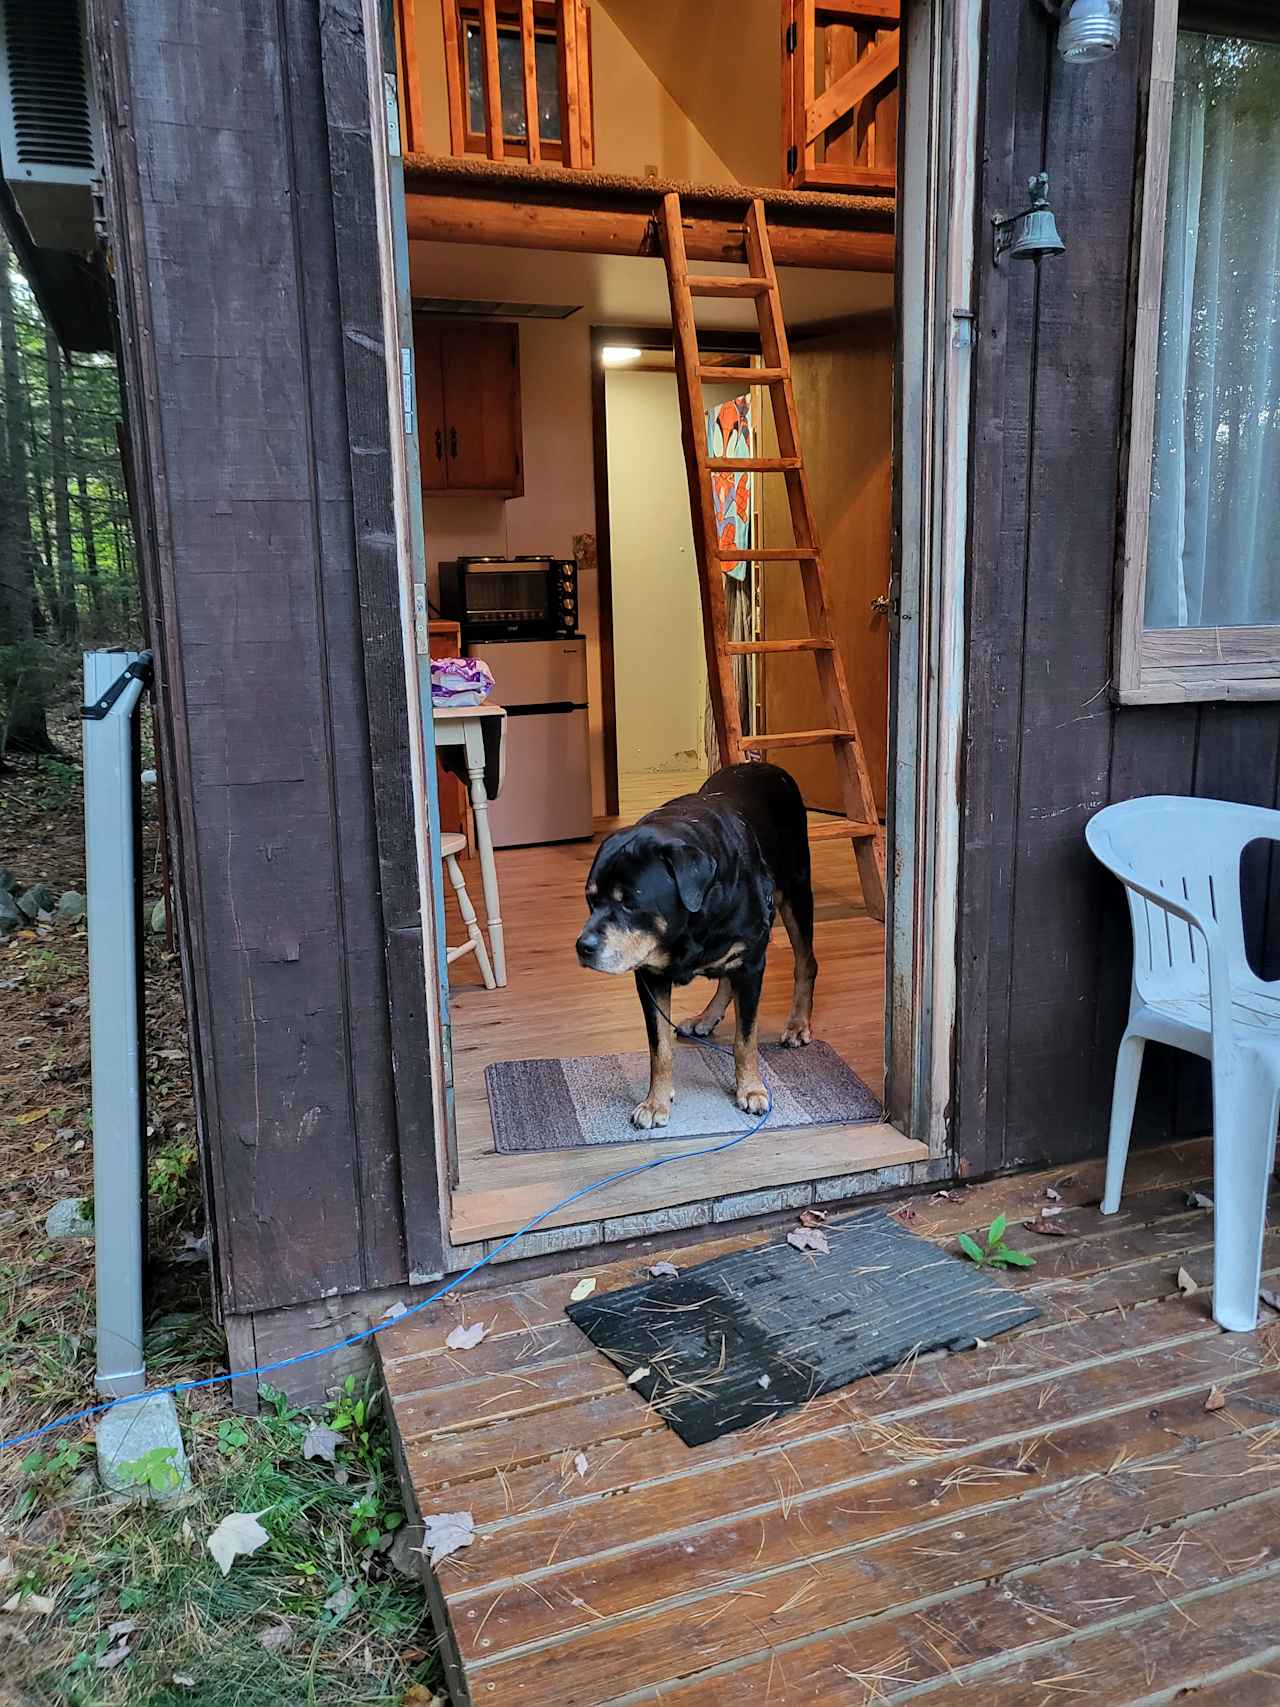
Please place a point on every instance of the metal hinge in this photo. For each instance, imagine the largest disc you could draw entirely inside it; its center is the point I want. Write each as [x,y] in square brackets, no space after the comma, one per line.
[406,389]
[393,115]
[142,669]
[420,619]
[789,40]
[793,158]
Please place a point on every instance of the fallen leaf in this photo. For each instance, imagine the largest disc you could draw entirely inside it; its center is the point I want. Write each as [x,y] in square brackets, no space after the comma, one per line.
[463,1339]
[1216,1400]
[764,1381]
[122,1627]
[1050,1210]
[38,1603]
[6,1567]
[341,1601]
[420,1696]
[1050,1229]
[41,1145]
[945,1197]
[661,1269]
[582,1290]
[638,1374]
[809,1239]
[1270,1299]
[187,1534]
[1052,1195]
[580,1463]
[1198,1200]
[446,1533]
[31,1116]
[393,1310]
[239,1534]
[276,1639]
[184,1680]
[1185,1282]
[322,1442]
[113,1656]
[980,1345]
[812,1217]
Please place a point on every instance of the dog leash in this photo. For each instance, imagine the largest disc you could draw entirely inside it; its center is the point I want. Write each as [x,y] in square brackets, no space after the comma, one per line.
[450,1286]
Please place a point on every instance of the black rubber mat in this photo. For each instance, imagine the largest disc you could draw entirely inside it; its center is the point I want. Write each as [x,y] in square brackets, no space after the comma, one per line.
[757,1333]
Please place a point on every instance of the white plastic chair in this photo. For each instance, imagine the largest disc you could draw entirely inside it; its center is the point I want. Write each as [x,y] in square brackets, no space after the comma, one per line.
[1179,860]
[451,845]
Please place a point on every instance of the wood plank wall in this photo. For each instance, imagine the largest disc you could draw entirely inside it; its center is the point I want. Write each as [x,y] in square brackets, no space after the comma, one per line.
[223,223]
[1044,943]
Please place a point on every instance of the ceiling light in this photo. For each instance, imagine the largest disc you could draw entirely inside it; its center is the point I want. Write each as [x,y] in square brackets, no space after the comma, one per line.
[618,355]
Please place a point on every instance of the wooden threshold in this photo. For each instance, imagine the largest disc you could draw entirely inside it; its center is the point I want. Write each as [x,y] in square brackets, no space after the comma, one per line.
[1057,1514]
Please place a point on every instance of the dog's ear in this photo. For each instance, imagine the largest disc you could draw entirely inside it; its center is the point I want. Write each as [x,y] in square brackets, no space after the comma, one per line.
[694,872]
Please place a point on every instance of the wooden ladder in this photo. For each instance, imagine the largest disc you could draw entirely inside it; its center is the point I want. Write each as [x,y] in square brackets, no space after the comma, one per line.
[860,824]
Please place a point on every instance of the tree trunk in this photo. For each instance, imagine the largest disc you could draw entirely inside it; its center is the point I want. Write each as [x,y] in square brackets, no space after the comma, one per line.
[46,578]
[68,619]
[23,726]
[91,574]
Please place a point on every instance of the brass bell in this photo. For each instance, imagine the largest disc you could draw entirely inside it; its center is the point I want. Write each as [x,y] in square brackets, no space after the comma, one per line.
[1033,233]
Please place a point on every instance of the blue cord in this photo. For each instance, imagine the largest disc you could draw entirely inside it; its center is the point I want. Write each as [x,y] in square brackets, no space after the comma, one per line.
[443,1292]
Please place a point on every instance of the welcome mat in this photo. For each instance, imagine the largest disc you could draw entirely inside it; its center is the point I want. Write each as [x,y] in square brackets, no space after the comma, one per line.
[587,1099]
[755,1334]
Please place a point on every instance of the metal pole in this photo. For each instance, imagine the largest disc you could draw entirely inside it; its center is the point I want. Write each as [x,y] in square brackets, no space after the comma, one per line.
[113,685]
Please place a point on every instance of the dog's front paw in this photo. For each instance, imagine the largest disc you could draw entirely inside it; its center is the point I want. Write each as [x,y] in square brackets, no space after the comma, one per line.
[695,1028]
[752,1099]
[797,1034]
[653,1111]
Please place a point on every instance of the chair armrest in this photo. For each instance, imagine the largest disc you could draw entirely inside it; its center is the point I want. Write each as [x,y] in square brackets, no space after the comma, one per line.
[1216,950]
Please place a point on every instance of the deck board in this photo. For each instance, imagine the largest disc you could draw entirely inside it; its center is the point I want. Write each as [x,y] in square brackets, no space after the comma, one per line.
[1022,1519]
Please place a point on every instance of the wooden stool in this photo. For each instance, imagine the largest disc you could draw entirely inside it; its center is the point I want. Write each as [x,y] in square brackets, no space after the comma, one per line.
[451,845]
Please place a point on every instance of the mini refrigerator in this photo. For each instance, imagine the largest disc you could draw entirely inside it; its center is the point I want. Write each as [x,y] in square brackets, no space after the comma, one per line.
[546,793]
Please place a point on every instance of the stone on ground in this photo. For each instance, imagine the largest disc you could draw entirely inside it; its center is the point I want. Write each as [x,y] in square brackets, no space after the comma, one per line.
[38,899]
[9,880]
[10,917]
[127,1434]
[67,1220]
[71,906]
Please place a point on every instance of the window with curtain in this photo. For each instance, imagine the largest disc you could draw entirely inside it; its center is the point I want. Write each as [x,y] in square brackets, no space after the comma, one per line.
[1201,612]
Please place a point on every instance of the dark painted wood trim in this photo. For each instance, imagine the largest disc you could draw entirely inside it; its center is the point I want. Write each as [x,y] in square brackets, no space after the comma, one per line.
[345,71]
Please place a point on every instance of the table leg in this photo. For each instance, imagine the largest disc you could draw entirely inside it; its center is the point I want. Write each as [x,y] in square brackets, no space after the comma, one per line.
[488,865]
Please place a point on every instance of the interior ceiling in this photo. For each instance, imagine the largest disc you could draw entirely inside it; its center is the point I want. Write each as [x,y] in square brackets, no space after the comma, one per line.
[626,290]
[720,61]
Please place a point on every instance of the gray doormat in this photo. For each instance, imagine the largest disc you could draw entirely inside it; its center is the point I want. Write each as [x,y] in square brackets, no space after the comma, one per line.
[757,1333]
[587,1099]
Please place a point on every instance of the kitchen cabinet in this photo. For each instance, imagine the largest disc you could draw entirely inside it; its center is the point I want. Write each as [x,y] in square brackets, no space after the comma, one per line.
[468,394]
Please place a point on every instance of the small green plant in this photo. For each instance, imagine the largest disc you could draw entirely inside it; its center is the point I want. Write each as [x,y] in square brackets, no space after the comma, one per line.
[155,1470]
[47,1473]
[232,1435]
[995,1254]
[168,1172]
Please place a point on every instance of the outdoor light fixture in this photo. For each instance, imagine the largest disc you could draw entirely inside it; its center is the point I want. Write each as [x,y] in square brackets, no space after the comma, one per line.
[1089,31]
[618,355]
[1031,234]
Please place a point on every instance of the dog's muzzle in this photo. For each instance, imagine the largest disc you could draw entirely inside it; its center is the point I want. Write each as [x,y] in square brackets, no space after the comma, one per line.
[588,946]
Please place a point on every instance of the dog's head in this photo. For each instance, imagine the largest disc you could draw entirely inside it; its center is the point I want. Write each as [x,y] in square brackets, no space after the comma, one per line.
[643,886]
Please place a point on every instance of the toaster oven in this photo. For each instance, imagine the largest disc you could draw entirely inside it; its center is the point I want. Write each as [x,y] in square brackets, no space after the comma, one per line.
[496,598]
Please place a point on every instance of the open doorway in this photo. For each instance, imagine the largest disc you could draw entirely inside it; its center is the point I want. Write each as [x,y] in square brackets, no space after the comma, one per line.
[592,487]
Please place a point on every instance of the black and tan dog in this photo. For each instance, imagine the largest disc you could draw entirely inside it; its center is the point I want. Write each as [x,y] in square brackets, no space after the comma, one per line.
[689,892]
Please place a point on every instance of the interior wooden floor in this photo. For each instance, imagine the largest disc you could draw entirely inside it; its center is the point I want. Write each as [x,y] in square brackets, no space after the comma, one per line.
[1085,1510]
[552,1007]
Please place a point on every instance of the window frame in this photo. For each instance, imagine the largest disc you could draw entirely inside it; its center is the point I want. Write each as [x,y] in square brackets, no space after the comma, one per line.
[462,15]
[1163,666]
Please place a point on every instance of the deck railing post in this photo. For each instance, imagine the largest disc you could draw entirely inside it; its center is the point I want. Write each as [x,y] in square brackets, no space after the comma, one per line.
[113,684]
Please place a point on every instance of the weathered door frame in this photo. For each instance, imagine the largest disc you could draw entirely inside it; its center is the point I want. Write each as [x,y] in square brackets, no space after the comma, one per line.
[932,424]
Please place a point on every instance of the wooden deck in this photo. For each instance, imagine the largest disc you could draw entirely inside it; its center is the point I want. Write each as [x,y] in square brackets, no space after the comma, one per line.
[1054,1517]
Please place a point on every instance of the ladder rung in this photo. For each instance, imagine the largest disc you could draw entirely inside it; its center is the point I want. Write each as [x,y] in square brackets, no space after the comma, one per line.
[702,284]
[752,464]
[768,554]
[744,648]
[800,738]
[743,375]
[836,829]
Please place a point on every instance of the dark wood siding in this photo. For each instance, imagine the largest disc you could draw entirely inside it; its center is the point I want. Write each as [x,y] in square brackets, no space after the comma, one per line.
[223,228]
[1044,949]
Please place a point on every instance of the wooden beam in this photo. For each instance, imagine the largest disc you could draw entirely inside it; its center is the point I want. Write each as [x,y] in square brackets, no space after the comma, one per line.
[877,13]
[492,80]
[529,66]
[454,81]
[867,75]
[570,125]
[586,116]
[412,104]
[847,178]
[612,231]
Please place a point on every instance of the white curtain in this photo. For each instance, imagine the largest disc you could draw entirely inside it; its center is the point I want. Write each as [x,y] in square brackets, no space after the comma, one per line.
[1214,543]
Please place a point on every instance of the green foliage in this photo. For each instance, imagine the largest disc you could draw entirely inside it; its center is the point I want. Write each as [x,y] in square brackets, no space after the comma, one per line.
[170,1172]
[995,1253]
[155,1470]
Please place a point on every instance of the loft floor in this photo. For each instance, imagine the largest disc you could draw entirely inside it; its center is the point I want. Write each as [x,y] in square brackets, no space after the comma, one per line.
[551,1007]
[1054,1517]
